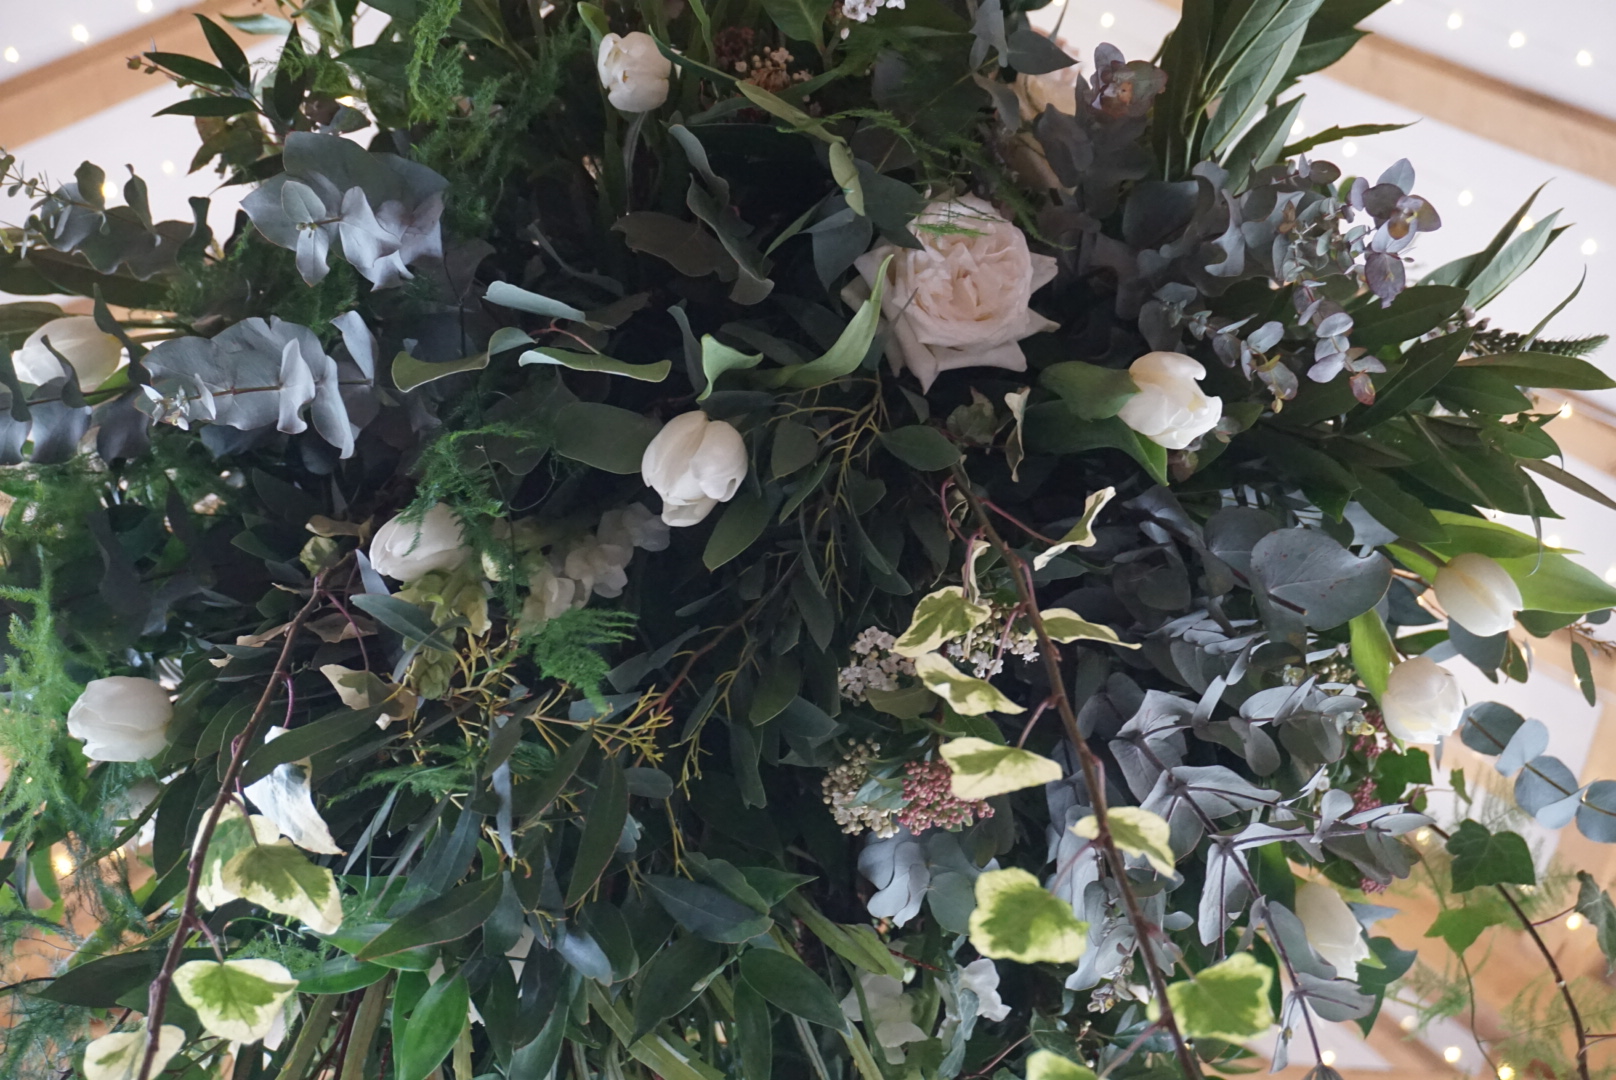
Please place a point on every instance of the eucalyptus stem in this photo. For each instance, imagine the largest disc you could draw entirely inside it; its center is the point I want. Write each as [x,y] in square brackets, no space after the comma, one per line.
[1093,774]
[158,998]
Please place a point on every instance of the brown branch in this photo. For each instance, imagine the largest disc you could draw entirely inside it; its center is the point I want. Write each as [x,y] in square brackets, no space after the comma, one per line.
[1559,981]
[1093,775]
[158,998]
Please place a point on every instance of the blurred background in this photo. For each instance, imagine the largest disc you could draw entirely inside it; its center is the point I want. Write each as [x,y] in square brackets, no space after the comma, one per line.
[1499,96]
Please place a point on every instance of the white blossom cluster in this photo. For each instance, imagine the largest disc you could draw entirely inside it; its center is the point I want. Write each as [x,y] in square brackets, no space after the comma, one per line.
[864,10]
[875,666]
[593,564]
[981,647]
[842,785]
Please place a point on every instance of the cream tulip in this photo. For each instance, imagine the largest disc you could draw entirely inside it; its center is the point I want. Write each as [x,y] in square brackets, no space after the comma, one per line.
[1332,929]
[1422,702]
[121,718]
[1170,408]
[1478,594]
[407,550]
[694,463]
[633,71]
[93,354]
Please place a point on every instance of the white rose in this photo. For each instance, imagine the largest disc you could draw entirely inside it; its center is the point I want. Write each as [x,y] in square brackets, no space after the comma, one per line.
[406,550]
[633,71]
[890,1012]
[961,299]
[1422,701]
[694,463]
[633,526]
[599,567]
[1478,594]
[94,355]
[1331,927]
[121,719]
[1170,409]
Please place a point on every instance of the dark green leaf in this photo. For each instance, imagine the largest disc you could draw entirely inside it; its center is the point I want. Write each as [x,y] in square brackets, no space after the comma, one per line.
[706,911]
[1593,903]
[1406,515]
[789,984]
[1424,365]
[402,617]
[604,815]
[1090,391]
[754,1032]
[189,67]
[1460,927]
[448,918]
[209,106]
[435,1024]
[610,439]
[1480,390]
[1481,857]
[1542,370]
[229,54]
[673,979]
[1585,673]
[795,447]
[800,20]
[1416,312]
[921,447]
[738,528]
[408,372]
[340,975]
[309,739]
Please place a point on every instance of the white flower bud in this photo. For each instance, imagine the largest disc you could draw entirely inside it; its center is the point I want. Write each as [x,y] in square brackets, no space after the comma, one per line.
[1331,927]
[407,550]
[1478,594]
[599,567]
[633,71]
[549,594]
[121,719]
[1422,701]
[694,463]
[93,354]
[633,526]
[1170,408]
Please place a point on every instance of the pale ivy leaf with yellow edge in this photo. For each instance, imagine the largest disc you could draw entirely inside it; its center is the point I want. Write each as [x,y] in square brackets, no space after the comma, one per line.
[1135,831]
[1227,1001]
[286,799]
[967,695]
[1065,625]
[235,834]
[939,618]
[1081,534]
[1048,1065]
[118,1056]
[236,1000]
[983,769]
[1018,919]
[278,877]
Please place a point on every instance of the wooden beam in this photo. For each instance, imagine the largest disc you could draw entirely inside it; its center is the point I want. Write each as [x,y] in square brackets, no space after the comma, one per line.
[78,86]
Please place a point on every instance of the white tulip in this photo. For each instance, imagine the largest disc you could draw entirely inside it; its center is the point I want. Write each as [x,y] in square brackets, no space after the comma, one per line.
[1478,594]
[407,550]
[94,355]
[121,719]
[1331,927]
[1422,701]
[890,1012]
[633,526]
[1170,409]
[633,71]
[694,463]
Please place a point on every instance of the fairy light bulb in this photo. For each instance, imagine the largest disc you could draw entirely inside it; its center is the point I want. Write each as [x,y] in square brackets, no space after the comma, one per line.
[1452,1055]
[1327,1057]
[1349,149]
[1517,39]
[143,6]
[1466,197]
[62,863]
[1297,127]
[1455,21]
[1526,222]
[1574,921]
[1407,1023]
[1108,20]
[12,55]
[1585,58]
[1506,1071]
[80,33]
[1590,246]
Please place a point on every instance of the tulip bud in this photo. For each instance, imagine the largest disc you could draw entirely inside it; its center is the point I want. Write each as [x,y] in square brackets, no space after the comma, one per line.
[1169,408]
[633,71]
[407,550]
[93,354]
[1478,594]
[1422,701]
[1331,927]
[694,463]
[121,719]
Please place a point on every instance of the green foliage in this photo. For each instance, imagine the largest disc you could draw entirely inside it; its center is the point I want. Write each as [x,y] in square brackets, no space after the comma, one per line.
[567,648]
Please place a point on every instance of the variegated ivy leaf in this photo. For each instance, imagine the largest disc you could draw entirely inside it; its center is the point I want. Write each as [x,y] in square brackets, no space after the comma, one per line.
[286,799]
[967,695]
[237,1000]
[1135,831]
[1065,625]
[983,769]
[360,689]
[1227,1001]
[1047,1065]
[118,1056]
[236,833]
[1018,919]
[1081,534]
[277,876]
[939,618]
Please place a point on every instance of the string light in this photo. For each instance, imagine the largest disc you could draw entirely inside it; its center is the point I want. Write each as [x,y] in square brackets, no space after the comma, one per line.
[1455,21]
[1506,1071]
[1526,223]
[1108,20]
[143,6]
[1349,149]
[12,56]
[80,33]
[1585,58]
[1610,575]
[1452,1055]
[1590,246]
[1407,1023]
[1517,39]
[1298,127]
[1423,836]
[1466,197]
[1566,411]
[107,189]
[62,863]
[1574,921]
[1327,1057]
[168,168]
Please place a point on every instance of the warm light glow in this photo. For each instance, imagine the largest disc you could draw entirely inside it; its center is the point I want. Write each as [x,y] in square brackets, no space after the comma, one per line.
[1452,1054]
[1517,39]
[1298,127]
[80,32]
[1566,411]
[1349,149]
[1590,246]
[1553,540]
[1327,1057]
[1506,1071]
[12,56]
[1466,197]
[1574,921]
[1423,836]
[62,863]
[1585,58]
[168,168]
[1526,222]
[1407,1023]
[143,6]
[1108,20]
[1610,575]
[107,189]
[1455,21]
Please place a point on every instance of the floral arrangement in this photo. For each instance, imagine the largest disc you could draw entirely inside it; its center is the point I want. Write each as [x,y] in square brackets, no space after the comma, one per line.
[775,538]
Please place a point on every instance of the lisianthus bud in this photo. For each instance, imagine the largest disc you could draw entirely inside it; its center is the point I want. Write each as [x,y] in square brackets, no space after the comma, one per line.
[1170,408]
[406,550]
[1331,927]
[121,718]
[1478,594]
[633,71]
[1422,701]
[694,463]
[94,354]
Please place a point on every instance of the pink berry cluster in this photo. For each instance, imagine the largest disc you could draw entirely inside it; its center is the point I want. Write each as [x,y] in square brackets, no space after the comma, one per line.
[931,803]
